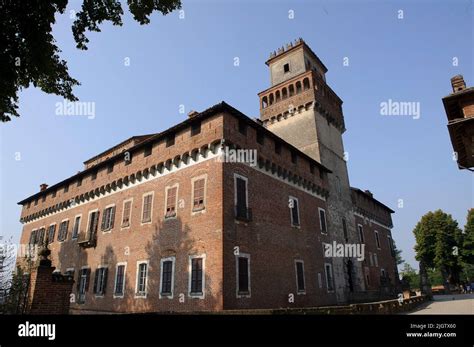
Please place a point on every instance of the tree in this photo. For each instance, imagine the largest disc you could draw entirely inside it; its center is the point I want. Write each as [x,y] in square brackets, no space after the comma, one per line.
[398,254]
[468,239]
[29,55]
[438,243]
[409,275]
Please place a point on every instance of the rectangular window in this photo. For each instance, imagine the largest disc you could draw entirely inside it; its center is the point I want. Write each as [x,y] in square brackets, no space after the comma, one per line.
[376,260]
[286,68]
[294,211]
[241,197]
[322,221]
[51,232]
[300,276]
[28,205]
[344,230]
[170,140]
[93,223]
[311,168]
[119,280]
[43,199]
[361,233]
[195,128]
[110,168]
[171,201]
[66,188]
[146,209]
[63,227]
[141,279]
[108,218]
[197,274]
[260,137]
[128,158]
[40,236]
[293,157]
[198,194]
[100,281]
[75,230]
[127,211]
[148,150]
[277,147]
[242,127]
[377,240]
[83,285]
[94,175]
[167,270]
[371,259]
[33,236]
[329,277]
[243,274]
[320,281]
[53,194]
[79,182]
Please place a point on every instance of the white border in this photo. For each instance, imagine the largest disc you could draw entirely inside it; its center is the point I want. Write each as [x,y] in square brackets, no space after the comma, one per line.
[300,292]
[137,275]
[325,221]
[193,180]
[119,296]
[237,294]
[167,188]
[297,226]
[191,257]
[173,261]
[130,214]
[152,193]
[332,276]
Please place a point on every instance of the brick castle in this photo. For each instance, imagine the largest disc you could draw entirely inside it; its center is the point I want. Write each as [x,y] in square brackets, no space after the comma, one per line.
[169,222]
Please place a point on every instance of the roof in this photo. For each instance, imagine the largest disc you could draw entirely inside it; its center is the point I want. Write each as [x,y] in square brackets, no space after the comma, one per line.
[360,191]
[451,105]
[217,108]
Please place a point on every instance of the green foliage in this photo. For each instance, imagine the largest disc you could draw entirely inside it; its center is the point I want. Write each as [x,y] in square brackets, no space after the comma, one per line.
[439,244]
[29,55]
[468,239]
[398,253]
[410,276]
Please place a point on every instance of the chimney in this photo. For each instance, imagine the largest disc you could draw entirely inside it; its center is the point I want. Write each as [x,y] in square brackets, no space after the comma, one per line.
[458,83]
[192,113]
[369,193]
[43,187]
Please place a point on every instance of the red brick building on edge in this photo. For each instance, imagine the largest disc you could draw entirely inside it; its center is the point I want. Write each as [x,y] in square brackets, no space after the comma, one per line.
[172,222]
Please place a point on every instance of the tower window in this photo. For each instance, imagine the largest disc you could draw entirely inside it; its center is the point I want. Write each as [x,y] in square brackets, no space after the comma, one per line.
[242,127]
[286,68]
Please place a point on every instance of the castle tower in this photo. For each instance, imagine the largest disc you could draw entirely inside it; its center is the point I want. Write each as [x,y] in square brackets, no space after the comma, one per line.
[302,109]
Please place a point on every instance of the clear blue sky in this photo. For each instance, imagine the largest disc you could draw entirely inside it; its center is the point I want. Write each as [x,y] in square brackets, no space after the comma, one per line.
[190,61]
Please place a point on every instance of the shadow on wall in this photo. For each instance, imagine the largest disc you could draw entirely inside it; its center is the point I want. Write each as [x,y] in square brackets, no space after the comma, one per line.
[170,238]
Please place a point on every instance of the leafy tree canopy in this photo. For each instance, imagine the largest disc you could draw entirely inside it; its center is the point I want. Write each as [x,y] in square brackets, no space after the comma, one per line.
[28,50]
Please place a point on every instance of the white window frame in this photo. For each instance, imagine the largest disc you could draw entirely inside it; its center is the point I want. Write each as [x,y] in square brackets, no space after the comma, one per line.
[123,214]
[108,231]
[167,188]
[152,193]
[325,221]
[237,294]
[298,226]
[360,229]
[86,267]
[383,273]
[59,230]
[376,260]
[173,261]
[332,277]
[102,266]
[78,227]
[119,296]
[377,239]
[300,292]
[194,179]
[137,275]
[191,257]
[236,175]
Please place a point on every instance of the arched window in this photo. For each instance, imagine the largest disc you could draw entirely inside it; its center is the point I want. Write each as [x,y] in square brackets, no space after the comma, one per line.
[264,102]
[271,99]
[284,93]
[298,87]
[306,84]
[277,96]
[292,90]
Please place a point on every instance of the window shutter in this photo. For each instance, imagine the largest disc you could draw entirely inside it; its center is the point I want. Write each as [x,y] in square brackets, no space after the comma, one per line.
[66,228]
[88,276]
[104,280]
[112,217]
[96,281]
[104,219]
[96,222]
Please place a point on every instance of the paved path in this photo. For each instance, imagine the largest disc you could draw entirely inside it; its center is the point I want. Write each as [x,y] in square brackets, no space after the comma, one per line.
[448,304]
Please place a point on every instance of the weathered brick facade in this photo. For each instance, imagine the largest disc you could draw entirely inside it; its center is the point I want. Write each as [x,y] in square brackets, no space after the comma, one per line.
[196,250]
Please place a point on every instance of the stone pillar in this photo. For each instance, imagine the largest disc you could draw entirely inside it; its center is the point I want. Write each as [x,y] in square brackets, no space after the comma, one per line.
[48,292]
